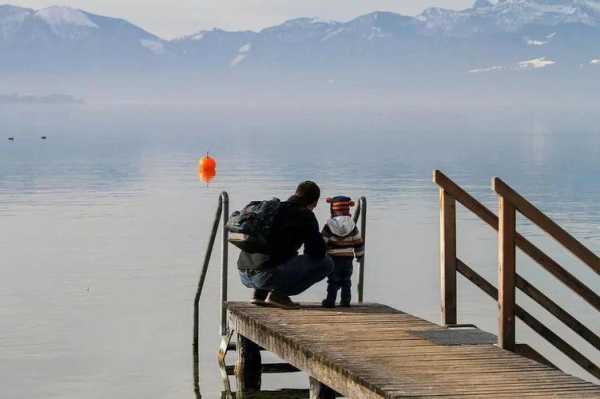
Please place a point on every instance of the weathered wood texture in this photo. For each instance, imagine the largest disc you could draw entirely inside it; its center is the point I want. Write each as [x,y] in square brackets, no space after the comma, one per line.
[448,257]
[373,351]
[248,367]
[547,224]
[506,274]
[521,242]
[318,390]
[531,321]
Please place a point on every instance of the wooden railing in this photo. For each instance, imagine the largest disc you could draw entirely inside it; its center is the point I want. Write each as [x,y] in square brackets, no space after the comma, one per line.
[508,240]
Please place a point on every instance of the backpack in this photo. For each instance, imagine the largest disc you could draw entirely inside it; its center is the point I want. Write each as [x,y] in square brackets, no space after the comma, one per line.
[250,229]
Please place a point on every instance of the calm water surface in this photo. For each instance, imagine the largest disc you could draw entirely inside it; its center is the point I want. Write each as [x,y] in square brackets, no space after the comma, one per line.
[105,223]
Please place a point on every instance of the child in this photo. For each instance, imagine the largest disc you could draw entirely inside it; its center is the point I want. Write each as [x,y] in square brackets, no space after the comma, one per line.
[344,242]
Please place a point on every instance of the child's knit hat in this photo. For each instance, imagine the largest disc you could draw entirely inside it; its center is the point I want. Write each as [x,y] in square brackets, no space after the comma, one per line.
[340,205]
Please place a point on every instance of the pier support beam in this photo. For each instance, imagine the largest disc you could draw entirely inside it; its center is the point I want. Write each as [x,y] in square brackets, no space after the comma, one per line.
[248,367]
[319,390]
[448,257]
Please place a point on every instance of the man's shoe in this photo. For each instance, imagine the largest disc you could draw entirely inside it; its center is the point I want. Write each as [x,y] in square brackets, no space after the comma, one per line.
[345,304]
[280,301]
[259,297]
[328,304]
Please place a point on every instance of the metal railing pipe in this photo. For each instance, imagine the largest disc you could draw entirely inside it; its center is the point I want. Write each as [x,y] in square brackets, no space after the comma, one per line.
[207,256]
[224,198]
[361,212]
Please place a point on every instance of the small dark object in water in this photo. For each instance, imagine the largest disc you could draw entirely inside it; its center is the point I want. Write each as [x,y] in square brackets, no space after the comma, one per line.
[11,139]
[44,137]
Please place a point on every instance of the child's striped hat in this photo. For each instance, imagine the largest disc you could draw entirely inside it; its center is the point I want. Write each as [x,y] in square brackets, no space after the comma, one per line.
[340,205]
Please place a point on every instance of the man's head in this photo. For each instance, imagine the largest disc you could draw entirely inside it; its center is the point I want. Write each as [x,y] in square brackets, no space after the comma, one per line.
[307,194]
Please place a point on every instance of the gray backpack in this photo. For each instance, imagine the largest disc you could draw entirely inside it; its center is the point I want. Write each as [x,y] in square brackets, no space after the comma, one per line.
[250,229]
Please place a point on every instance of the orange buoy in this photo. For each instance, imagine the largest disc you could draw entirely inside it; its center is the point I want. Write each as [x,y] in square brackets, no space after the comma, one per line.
[207,168]
[207,163]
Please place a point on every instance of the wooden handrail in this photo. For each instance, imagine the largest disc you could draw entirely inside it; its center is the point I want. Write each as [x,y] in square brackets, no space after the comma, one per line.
[558,271]
[546,224]
[530,321]
[465,199]
[508,280]
[521,242]
[558,312]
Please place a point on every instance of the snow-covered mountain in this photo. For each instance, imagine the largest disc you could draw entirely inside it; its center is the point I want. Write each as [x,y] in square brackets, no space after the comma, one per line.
[490,16]
[62,38]
[522,37]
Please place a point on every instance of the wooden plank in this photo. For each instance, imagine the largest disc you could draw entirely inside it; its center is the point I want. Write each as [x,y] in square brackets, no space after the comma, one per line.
[547,224]
[506,274]
[269,368]
[452,337]
[448,257]
[558,342]
[304,359]
[410,363]
[522,243]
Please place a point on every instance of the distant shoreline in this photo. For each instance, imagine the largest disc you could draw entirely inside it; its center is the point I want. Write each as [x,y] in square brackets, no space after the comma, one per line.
[47,99]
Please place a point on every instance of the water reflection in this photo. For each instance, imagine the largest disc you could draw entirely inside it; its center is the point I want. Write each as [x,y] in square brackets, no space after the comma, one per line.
[279,394]
[225,371]
[113,203]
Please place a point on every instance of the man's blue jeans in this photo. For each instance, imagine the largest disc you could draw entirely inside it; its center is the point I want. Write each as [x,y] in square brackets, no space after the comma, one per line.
[290,278]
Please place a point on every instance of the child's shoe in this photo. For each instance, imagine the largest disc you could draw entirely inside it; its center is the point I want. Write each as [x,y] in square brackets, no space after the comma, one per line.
[345,297]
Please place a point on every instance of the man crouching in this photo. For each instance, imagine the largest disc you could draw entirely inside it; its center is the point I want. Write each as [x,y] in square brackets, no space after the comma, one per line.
[282,272]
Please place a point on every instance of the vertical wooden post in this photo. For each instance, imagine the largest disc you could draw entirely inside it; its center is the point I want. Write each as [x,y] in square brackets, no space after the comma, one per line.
[248,368]
[319,390]
[448,257]
[506,274]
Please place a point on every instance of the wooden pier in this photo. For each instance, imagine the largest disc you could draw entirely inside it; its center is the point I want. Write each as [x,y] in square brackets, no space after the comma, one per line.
[374,351]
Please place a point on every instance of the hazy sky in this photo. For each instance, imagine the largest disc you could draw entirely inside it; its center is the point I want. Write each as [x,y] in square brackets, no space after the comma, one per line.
[171,18]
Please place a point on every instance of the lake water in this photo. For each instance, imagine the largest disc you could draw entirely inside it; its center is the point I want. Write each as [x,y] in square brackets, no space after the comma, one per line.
[104,225]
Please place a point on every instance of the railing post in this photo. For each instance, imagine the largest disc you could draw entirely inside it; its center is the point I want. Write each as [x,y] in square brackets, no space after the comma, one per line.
[506,274]
[448,257]
[224,263]
[361,265]
[205,264]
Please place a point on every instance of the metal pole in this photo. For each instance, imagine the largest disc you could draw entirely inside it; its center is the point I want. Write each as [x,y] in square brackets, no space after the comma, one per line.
[209,248]
[357,212]
[224,262]
[363,229]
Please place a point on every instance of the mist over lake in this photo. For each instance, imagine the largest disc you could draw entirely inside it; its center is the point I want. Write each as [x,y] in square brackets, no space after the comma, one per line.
[104,224]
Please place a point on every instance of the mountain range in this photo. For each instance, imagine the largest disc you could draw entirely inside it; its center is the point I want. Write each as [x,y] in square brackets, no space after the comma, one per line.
[546,40]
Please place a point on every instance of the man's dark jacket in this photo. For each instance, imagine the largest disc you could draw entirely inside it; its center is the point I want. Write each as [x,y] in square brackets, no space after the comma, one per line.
[294,226]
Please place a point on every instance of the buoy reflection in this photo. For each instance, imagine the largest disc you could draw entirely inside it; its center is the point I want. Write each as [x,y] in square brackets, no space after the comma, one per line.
[206,175]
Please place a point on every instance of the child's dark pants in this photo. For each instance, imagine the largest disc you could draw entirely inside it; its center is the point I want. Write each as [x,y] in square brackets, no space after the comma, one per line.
[340,278]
